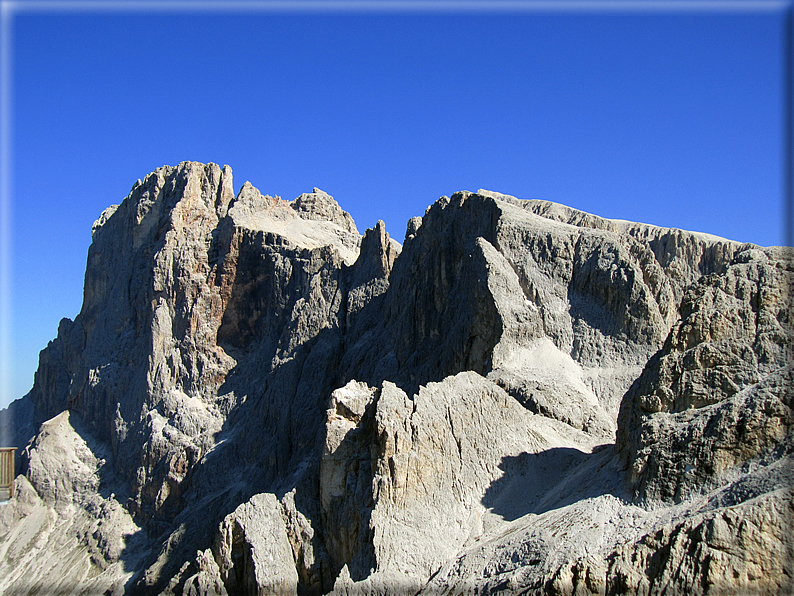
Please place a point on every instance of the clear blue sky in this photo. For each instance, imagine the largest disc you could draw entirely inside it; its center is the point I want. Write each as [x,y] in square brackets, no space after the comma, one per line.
[670,118]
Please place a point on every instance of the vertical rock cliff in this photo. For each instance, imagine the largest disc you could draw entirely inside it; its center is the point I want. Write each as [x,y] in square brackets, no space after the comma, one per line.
[522,398]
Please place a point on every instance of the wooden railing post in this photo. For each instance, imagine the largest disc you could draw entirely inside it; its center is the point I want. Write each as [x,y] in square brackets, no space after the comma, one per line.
[6,473]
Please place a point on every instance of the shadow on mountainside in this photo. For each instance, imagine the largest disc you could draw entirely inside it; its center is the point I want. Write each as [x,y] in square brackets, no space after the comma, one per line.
[111,487]
[539,482]
[269,442]
[17,427]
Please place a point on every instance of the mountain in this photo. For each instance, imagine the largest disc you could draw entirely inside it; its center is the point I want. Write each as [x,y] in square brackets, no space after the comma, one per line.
[521,398]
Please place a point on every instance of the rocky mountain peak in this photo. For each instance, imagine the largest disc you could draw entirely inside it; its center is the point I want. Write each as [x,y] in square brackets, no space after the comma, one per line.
[320,205]
[523,398]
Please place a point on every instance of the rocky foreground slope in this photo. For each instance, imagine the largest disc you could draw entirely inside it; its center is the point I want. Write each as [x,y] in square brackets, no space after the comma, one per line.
[522,398]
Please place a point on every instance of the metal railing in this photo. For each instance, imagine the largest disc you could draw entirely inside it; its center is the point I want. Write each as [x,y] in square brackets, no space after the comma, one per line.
[6,473]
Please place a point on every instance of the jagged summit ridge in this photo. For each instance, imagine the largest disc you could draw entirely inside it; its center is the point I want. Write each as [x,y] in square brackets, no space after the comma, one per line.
[524,398]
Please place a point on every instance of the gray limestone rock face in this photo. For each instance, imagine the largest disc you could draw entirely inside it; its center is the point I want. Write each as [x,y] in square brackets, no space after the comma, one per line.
[719,393]
[346,478]
[429,474]
[253,551]
[523,398]
[738,550]
[437,456]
